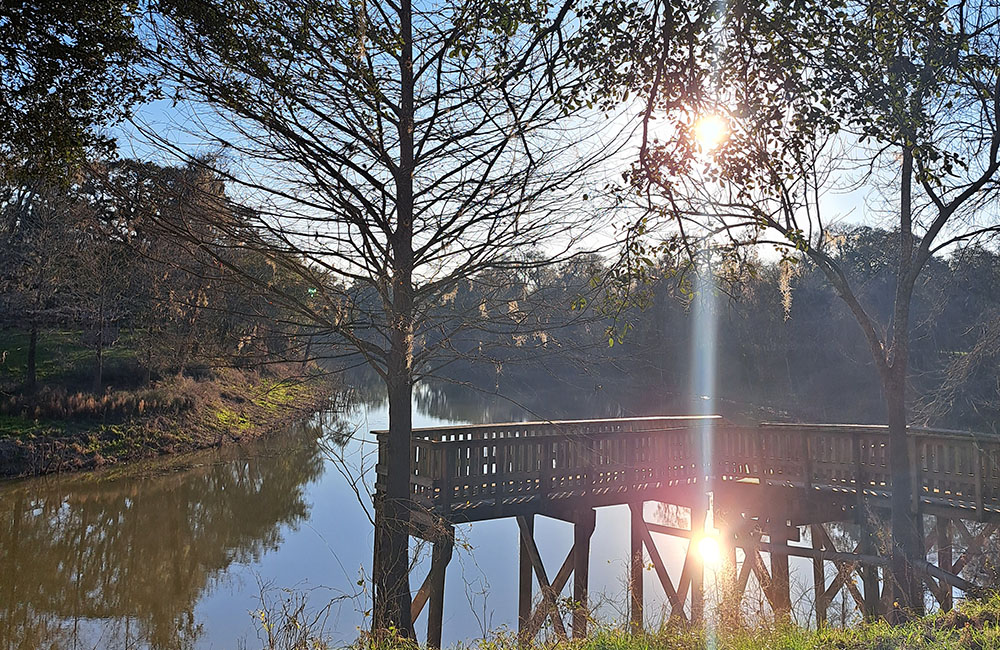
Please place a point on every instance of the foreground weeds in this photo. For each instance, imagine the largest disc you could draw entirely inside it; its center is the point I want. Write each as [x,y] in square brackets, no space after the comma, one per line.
[973,625]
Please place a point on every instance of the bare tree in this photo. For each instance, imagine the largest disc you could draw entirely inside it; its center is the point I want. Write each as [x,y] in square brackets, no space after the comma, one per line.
[787,91]
[38,227]
[400,150]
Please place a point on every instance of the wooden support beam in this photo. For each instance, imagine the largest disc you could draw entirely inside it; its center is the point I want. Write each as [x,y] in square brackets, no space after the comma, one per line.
[781,597]
[762,574]
[695,566]
[830,556]
[548,595]
[524,579]
[843,575]
[887,590]
[582,530]
[948,578]
[420,598]
[731,596]
[537,617]
[943,534]
[974,544]
[819,577]
[744,576]
[440,557]
[918,607]
[676,604]
[635,567]
[869,571]
[432,590]
[852,588]
[668,530]
[847,564]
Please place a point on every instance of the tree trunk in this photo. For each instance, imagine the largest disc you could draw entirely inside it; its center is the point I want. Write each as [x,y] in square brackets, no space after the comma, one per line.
[31,378]
[906,544]
[99,349]
[148,371]
[99,362]
[391,572]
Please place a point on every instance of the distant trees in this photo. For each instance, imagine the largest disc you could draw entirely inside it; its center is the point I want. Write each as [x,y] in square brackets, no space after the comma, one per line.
[36,240]
[105,257]
[806,363]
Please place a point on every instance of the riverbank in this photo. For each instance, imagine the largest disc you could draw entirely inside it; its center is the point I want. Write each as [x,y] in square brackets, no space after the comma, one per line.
[54,430]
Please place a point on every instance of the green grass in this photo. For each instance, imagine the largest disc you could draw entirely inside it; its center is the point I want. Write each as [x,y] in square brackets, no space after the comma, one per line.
[61,356]
[18,426]
[973,625]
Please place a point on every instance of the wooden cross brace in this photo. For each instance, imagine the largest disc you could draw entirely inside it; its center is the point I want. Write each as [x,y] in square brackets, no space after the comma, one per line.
[845,573]
[440,557]
[549,607]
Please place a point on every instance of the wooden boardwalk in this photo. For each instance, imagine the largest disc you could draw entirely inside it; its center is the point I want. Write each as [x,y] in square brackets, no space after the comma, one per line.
[476,472]
[768,482]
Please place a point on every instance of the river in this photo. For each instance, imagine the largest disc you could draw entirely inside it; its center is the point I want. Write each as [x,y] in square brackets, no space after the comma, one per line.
[187,552]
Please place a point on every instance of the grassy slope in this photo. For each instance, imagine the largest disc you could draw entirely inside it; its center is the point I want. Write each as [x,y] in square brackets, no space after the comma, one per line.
[61,357]
[172,415]
[973,625]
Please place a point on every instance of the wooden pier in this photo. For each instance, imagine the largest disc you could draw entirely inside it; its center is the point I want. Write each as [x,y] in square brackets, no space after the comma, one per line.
[764,486]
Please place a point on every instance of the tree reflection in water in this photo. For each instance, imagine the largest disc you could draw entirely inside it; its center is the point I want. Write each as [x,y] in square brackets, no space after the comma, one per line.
[120,560]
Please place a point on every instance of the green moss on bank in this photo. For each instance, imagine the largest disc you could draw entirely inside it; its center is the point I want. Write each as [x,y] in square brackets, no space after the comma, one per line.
[56,431]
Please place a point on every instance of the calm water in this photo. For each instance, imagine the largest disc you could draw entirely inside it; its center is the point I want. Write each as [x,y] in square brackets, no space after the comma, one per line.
[185,552]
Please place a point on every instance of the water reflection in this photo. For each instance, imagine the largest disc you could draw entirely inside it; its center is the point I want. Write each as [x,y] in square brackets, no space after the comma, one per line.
[121,560]
[168,555]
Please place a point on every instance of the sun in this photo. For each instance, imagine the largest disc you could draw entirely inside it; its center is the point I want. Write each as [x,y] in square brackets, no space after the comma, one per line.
[710,131]
[711,553]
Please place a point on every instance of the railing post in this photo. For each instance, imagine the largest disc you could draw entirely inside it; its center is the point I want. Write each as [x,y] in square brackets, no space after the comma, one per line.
[447,476]
[503,452]
[977,470]
[916,485]
[859,478]
[807,448]
[546,473]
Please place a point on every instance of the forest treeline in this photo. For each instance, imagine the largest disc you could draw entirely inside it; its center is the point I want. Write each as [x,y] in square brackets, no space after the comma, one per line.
[154,267]
[787,347]
[107,260]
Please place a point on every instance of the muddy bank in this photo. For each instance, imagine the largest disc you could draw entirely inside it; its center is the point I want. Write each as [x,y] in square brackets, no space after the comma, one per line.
[58,432]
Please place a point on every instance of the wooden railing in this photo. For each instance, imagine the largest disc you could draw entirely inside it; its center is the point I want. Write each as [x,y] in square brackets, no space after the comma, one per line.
[618,460]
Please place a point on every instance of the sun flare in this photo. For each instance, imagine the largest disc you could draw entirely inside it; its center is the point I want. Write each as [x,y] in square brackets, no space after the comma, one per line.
[711,553]
[710,131]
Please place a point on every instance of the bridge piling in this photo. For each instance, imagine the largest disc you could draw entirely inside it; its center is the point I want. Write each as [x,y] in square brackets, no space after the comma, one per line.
[780,592]
[699,510]
[583,528]
[524,581]
[636,565]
